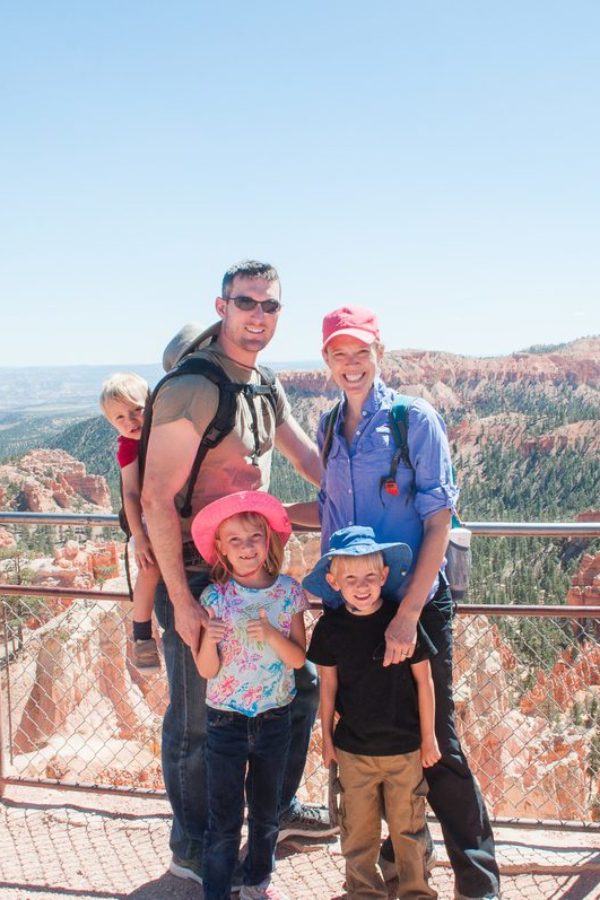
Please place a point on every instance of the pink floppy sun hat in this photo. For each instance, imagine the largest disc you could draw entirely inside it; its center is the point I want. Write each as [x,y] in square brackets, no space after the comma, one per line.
[206,523]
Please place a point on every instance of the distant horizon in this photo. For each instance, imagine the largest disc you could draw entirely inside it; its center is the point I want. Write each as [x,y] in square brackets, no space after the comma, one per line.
[304,364]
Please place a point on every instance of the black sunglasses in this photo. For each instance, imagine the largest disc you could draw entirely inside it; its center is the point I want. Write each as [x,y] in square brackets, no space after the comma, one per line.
[248,303]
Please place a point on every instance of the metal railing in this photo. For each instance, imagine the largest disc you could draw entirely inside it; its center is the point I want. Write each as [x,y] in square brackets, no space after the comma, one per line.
[75,713]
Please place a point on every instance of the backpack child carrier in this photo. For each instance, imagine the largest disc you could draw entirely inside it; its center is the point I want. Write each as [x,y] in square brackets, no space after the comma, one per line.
[223,420]
[220,425]
[458,552]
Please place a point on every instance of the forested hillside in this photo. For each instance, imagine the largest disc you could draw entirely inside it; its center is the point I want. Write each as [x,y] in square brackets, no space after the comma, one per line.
[94,442]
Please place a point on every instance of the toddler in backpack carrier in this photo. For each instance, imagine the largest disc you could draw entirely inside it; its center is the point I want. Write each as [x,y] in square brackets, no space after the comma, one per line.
[123,399]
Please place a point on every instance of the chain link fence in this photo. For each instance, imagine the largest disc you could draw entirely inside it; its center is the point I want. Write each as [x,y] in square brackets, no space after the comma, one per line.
[74,710]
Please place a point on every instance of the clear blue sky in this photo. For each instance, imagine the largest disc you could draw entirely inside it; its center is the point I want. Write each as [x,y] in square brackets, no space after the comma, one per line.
[436,161]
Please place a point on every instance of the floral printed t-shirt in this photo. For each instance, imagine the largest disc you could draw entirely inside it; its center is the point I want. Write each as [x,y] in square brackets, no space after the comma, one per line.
[252,678]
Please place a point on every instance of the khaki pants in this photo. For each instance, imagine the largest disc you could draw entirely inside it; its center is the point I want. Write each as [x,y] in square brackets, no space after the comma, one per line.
[373,787]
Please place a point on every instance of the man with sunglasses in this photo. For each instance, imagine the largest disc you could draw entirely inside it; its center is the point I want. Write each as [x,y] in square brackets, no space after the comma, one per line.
[248,311]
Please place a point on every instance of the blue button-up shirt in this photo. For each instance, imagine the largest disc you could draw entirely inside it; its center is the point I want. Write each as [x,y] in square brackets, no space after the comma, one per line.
[351,488]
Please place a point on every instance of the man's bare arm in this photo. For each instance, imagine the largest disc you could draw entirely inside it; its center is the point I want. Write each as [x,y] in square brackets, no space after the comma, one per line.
[171,452]
[305,513]
[296,446]
[401,633]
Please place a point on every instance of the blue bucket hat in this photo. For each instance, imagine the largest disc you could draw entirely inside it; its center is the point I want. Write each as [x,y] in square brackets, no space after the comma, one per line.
[357,540]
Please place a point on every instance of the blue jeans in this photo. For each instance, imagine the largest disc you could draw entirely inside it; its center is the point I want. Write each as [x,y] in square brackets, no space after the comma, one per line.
[304,708]
[454,794]
[184,731]
[233,741]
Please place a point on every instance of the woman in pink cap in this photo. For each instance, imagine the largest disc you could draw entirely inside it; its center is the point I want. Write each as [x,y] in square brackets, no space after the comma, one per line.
[367,480]
[254,640]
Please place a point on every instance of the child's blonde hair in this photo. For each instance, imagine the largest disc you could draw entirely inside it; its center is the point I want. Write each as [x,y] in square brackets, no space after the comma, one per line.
[340,563]
[274,561]
[125,387]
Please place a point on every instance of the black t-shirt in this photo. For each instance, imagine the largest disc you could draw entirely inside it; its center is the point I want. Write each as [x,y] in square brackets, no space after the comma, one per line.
[378,706]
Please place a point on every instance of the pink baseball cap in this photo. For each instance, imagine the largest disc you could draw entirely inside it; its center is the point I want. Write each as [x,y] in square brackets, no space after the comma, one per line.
[353,321]
[206,523]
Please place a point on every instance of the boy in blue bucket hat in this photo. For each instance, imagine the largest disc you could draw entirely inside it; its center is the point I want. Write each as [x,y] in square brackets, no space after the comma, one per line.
[385,733]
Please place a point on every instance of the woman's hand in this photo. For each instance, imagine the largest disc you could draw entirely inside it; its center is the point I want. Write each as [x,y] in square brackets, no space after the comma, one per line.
[400,638]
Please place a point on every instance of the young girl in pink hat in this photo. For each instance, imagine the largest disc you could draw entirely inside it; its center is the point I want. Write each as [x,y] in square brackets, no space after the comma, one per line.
[254,640]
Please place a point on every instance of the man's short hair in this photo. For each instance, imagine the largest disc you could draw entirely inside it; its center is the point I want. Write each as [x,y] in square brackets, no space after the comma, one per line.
[248,268]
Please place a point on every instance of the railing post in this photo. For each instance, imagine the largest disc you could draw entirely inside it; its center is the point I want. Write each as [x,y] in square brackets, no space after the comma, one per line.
[6,658]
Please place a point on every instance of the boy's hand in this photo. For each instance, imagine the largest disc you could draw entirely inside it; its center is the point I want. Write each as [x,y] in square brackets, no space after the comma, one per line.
[142,549]
[430,752]
[329,754]
[215,627]
[260,629]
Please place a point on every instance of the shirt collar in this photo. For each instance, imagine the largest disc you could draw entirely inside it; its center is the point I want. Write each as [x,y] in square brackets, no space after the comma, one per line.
[374,401]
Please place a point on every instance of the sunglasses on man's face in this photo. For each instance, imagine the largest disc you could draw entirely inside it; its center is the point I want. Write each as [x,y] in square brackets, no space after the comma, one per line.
[248,303]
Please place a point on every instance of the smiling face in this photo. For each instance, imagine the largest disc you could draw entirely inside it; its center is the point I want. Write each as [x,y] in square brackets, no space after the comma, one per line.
[359,579]
[353,365]
[127,417]
[245,333]
[243,543]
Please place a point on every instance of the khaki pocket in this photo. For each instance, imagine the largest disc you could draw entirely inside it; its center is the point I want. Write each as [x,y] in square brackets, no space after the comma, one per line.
[418,807]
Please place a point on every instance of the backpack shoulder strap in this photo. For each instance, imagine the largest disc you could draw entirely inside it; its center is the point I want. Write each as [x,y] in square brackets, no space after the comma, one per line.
[268,375]
[221,423]
[268,386]
[399,425]
[219,426]
[328,432]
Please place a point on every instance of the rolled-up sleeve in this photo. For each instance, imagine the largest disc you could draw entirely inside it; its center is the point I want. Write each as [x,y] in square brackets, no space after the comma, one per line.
[429,453]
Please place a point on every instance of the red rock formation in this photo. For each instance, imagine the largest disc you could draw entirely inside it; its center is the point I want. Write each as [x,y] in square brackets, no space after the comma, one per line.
[585,585]
[529,763]
[43,713]
[7,541]
[578,362]
[74,567]
[588,515]
[104,559]
[81,661]
[71,567]
[563,684]
[51,480]
[575,435]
